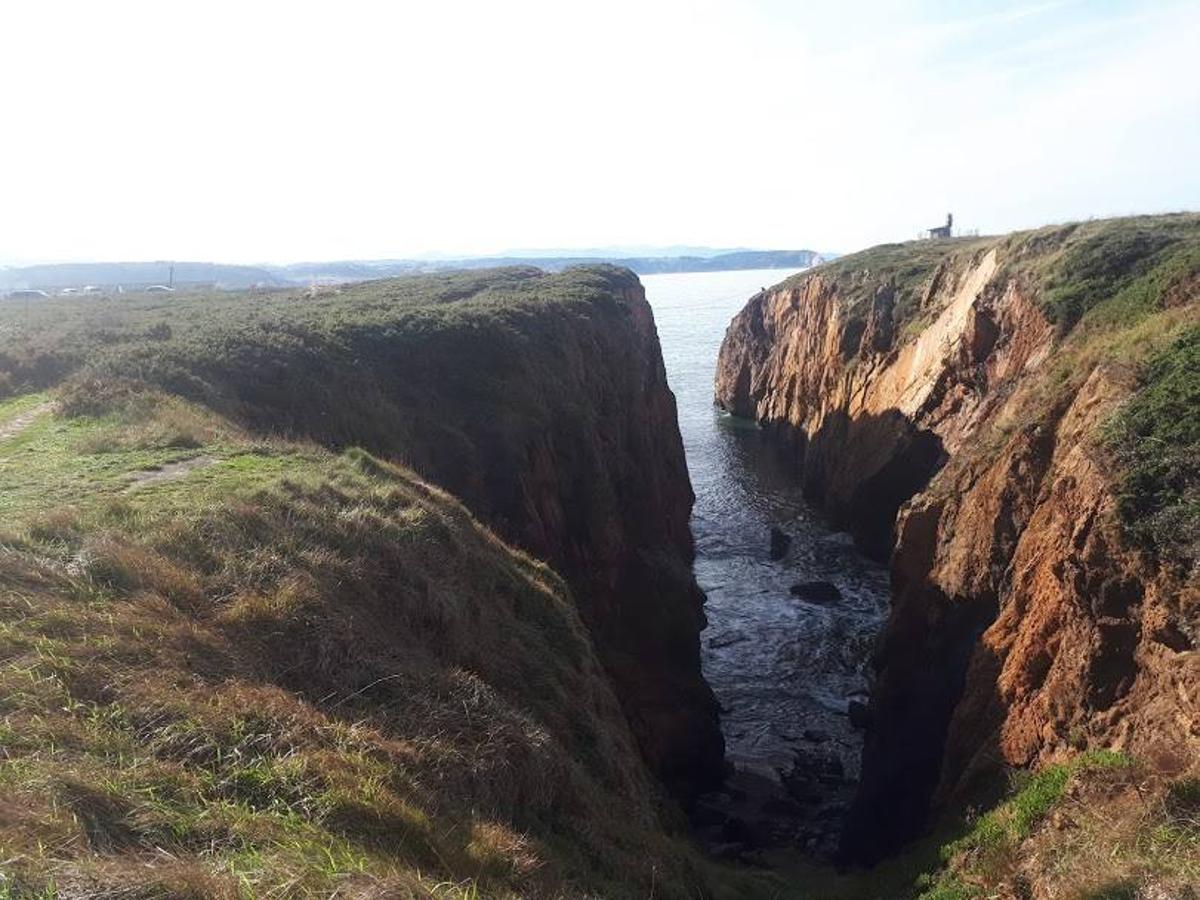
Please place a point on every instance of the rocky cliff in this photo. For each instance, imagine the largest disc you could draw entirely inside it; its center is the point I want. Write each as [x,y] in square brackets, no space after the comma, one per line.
[952,403]
[540,401]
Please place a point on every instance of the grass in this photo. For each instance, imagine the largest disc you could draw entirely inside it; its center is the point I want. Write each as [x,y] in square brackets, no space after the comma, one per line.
[240,656]
[178,341]
[1156,437]
[440,371]
[292,672]
[1105,824]
[511,388]
[1126,265]
[82,461]
[1100,827]
[1033,797]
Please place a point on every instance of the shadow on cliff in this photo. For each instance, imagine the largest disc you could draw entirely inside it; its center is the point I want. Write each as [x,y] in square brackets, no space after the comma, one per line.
[912,778]
[861,470]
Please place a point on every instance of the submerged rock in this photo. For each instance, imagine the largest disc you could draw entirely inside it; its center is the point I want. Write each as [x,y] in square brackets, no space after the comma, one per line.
[727,640]
[780,542]
[816,591]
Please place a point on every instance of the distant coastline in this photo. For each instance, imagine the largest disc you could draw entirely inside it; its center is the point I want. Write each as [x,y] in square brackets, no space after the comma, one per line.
[139,275]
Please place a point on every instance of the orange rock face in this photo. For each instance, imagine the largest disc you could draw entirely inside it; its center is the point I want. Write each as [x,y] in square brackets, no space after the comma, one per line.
[1023,627]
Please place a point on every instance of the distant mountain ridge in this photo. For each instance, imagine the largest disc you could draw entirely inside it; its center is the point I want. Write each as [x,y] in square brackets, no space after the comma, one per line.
[132,275]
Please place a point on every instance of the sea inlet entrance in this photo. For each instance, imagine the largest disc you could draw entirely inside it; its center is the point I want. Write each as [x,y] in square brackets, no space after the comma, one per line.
[789,667]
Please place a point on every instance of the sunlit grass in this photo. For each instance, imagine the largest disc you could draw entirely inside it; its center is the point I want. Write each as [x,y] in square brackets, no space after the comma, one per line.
[288,671]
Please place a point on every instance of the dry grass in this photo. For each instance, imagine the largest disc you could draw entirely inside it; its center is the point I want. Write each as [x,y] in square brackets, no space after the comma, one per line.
[1121,834]
[312,675]
[1121,830]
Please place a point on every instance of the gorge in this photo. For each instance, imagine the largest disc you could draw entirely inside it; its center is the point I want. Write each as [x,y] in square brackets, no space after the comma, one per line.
[397,589]
[784,668]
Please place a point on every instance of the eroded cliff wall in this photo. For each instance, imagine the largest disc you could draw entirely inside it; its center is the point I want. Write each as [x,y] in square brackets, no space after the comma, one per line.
[947,401]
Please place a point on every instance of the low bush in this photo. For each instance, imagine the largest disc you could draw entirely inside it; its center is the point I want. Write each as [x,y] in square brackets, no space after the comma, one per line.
[1156,438]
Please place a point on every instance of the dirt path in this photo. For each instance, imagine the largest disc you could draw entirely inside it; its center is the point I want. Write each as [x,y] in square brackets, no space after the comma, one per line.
[169,472]
[21,421]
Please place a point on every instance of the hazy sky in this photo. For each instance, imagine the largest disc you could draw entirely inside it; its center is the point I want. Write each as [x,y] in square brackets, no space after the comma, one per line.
[263,131]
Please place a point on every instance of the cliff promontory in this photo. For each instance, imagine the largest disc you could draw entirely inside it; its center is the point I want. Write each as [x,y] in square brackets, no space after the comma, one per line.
[1013,420]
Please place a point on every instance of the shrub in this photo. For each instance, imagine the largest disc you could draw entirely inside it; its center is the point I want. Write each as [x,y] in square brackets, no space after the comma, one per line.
[1098,267]
[1156,438]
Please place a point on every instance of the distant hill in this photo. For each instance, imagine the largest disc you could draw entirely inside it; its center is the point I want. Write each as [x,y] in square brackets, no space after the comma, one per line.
[609,252]
[358,270]
[132,275]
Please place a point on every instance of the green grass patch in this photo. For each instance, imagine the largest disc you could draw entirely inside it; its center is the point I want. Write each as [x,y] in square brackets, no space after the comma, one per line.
[1126,265]
[995,836]
[288,669]
[1156,438]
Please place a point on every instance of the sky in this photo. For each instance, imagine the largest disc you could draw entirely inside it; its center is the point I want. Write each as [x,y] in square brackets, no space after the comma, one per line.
[260,131]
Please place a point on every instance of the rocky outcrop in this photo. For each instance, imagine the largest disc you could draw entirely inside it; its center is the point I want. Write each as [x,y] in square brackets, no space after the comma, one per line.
[936,409]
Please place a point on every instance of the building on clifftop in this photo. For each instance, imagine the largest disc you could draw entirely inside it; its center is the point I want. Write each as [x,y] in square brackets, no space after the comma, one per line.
[943,231]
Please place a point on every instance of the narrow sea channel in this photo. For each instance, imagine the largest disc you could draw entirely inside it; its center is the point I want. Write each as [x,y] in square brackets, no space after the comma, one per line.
[784,669]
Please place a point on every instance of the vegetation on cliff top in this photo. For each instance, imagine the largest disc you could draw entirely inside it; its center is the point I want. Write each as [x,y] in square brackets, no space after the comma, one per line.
[511,388]
[43,342]
[1157,440]
[282,670]
[1128,266]
[443,372]
[1126,292]
[1131,267]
